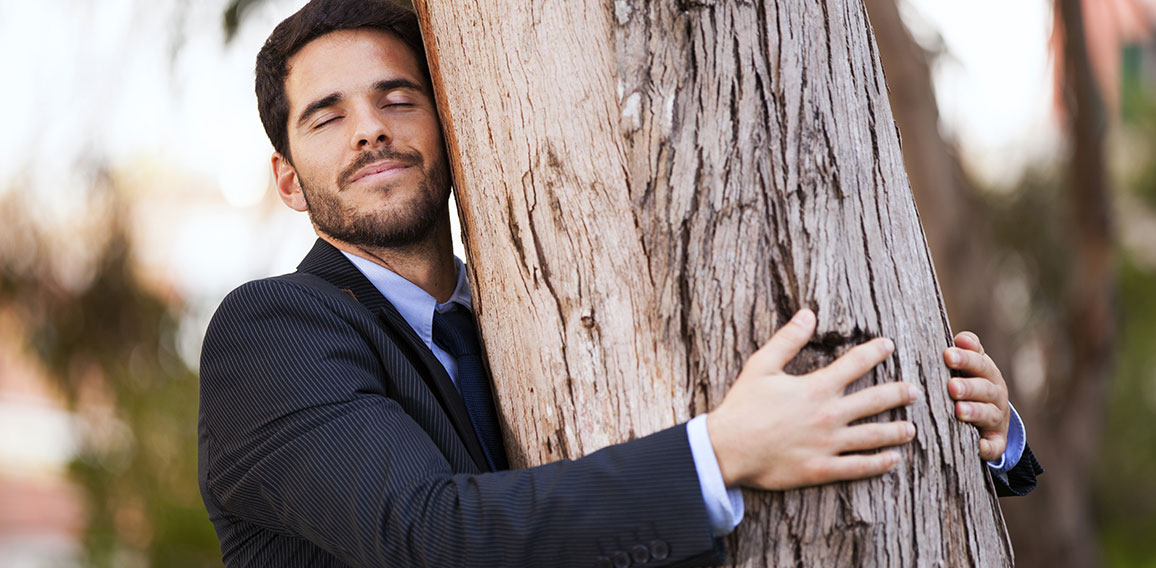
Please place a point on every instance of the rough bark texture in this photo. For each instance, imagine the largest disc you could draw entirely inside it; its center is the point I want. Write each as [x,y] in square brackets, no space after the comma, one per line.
[648,190]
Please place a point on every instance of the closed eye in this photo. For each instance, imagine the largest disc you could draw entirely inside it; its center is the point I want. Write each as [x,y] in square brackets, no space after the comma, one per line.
[325,122]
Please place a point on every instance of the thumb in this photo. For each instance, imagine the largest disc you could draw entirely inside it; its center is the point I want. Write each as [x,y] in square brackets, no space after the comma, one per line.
[785,343]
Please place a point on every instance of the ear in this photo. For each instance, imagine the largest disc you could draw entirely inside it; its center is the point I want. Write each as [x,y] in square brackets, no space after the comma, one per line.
[288,185]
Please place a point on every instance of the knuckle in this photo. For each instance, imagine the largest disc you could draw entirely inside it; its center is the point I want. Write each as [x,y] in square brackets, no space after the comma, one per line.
[962,388]
[964,411]
[874,464]
[792,334]
[872,437]
[896,396]
[815,471]
[891,435]
[825,418]
[857,355]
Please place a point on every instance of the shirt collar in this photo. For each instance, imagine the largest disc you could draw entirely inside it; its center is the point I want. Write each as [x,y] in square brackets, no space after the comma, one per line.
[415,305]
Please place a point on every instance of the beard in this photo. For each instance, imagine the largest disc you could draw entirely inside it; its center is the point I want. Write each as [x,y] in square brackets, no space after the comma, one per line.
[391,224]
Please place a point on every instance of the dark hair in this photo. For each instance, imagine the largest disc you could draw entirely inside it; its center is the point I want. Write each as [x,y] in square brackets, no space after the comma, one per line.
[317,18]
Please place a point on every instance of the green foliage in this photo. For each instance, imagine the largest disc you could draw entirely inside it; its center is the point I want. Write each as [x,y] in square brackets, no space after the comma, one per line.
[1144,126]
[1124,487]
[1124,479]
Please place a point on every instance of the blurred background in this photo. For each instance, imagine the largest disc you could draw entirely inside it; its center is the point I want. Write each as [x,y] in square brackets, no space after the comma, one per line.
[135,193]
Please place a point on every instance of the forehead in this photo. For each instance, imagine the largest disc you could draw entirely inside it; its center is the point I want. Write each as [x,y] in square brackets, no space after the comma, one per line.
[347,60]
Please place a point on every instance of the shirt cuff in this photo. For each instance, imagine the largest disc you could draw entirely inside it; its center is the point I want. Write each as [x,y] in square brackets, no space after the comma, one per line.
[724,506]
[1017,438]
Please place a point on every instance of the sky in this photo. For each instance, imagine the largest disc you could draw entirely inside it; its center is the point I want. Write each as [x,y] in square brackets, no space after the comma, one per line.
[993,82]
[151,88]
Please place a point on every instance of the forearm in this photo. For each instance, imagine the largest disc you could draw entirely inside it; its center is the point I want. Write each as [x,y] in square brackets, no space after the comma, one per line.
[305,438]
[379,508]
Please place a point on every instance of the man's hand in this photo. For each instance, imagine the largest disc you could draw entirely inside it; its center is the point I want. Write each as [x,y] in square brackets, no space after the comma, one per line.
[981,394]
[779,431]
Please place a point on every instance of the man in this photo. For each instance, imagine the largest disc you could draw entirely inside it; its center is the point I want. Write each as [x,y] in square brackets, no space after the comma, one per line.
[346,418]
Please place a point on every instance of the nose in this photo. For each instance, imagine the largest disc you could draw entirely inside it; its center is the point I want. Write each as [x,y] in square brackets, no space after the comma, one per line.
[372,130]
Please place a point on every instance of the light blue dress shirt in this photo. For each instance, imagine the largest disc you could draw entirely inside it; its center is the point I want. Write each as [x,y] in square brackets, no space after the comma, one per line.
[724,505]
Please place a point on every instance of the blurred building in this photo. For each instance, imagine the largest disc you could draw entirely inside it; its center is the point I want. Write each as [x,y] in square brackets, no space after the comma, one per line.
[1121,40]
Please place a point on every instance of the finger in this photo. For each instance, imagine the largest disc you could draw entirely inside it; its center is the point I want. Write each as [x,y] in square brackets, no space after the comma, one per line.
[875,436]
[992,447]
[873,400]
[786,343]
[857,361]
[859,466]
[983,416]
[970,341]
[972,363]
[975,389]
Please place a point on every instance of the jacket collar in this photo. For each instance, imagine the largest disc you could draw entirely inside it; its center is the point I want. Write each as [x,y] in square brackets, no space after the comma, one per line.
[326,262]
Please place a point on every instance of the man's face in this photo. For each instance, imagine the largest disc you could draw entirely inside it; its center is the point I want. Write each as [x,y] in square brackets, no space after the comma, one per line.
[368,160]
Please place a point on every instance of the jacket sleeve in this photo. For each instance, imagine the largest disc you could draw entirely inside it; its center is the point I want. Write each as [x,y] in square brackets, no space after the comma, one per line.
[1021,479]
[299,437]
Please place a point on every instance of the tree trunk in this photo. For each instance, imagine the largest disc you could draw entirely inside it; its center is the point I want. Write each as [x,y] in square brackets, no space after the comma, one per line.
[648,190]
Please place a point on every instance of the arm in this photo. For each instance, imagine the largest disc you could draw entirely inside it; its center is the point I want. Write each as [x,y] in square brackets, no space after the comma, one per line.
[304,440]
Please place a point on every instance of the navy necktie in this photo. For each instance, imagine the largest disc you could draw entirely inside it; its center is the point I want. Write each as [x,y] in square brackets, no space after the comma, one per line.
[454,331]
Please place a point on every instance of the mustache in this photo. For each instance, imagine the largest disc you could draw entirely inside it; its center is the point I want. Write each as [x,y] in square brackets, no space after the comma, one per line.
[369,157]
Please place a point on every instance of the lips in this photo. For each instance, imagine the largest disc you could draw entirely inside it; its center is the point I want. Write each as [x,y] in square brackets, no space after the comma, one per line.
[382,167]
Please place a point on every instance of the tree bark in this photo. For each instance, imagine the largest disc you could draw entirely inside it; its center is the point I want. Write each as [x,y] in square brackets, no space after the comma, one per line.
[648,190]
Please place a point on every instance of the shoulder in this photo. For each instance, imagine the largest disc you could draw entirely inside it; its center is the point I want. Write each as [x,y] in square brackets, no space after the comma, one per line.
[286,327]
[267,313]
[285,295]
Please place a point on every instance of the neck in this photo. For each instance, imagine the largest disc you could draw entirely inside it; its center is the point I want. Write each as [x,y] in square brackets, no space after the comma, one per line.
[429,263]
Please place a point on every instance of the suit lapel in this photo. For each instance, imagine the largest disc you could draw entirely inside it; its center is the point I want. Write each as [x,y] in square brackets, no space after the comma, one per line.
[328,263]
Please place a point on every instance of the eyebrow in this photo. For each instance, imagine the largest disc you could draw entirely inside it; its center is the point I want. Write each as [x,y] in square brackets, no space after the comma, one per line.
[383,86]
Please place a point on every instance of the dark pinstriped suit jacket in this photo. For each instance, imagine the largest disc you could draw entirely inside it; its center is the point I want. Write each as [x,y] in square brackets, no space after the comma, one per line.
[330,435]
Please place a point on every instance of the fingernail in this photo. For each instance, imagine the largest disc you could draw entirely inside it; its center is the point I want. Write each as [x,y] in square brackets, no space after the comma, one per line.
[952,357]
[910,431]
[964,411]
[888,345]
[803,317]
[913,391]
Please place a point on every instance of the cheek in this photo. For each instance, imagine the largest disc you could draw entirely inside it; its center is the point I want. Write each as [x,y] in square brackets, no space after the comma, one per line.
[320,155]
[425,134]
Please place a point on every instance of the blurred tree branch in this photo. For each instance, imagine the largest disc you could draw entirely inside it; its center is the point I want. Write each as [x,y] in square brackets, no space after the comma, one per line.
[234,14]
